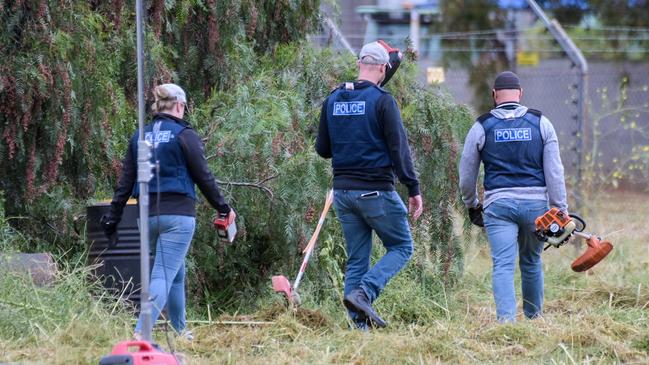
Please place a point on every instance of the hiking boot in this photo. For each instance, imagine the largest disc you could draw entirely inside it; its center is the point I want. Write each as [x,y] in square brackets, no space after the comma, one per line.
[357,301]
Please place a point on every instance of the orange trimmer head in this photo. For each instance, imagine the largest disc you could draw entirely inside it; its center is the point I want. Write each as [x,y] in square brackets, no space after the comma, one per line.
[282,285]
[595,253]
[556,227]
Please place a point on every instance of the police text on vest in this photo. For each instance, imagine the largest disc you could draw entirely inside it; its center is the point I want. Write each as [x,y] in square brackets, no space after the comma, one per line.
[349,108]
[160,137]
[513,134]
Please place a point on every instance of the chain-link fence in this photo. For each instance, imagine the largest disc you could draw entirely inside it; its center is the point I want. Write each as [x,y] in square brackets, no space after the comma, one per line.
[617,143]
[615,137]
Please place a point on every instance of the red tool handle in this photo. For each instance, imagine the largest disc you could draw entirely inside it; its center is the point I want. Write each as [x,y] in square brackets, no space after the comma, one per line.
[223,220]
[387,46]
[328,201]
[123,347]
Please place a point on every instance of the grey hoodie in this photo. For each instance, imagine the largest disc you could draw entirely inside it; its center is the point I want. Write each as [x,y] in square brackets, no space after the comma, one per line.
[555,189]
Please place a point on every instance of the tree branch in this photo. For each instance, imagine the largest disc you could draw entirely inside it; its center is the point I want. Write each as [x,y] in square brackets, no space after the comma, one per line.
[258,185]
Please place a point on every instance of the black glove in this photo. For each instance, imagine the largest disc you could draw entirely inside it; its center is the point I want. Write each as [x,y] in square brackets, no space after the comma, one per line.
[109,225]
[475,215]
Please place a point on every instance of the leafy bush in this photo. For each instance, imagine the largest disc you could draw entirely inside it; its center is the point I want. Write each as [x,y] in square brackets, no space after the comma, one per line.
[255,93]
[263,130]
[67,85]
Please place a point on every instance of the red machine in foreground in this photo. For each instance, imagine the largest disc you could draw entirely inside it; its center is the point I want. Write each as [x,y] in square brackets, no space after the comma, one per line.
[138,353]
[556,227]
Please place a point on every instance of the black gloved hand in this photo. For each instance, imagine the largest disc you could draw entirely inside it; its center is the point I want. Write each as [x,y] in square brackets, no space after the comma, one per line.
[109,225]
[475,215]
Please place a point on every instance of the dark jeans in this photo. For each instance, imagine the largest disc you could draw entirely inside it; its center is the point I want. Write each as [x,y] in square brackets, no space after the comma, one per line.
[384,214]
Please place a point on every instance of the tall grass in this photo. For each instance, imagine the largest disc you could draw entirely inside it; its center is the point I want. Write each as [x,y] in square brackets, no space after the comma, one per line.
[600,317]
[64,323]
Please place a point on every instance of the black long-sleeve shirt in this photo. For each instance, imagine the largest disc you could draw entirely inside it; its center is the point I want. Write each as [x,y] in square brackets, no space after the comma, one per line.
[382,178]
[173,203]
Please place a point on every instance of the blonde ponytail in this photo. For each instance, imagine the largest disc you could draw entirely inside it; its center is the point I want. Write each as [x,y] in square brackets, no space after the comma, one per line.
[163,101]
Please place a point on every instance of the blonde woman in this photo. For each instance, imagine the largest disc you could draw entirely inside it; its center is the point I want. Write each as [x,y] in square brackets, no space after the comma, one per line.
[172,211]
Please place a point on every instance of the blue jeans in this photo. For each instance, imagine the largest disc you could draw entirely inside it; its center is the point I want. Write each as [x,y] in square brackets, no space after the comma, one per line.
[384,214]
[510,228]
[172,238]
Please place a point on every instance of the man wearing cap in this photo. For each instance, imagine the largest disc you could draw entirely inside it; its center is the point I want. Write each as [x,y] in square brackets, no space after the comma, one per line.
[523,173]
[178,149]
[362,132]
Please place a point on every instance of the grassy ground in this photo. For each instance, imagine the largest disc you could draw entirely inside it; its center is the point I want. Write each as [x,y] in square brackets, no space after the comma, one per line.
[599,317]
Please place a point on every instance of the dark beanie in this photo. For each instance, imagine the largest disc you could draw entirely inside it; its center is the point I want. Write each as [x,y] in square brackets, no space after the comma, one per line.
[507,80]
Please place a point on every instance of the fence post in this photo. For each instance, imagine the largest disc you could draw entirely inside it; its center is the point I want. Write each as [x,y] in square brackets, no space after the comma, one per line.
[336,32]
[578,59]
[414,29]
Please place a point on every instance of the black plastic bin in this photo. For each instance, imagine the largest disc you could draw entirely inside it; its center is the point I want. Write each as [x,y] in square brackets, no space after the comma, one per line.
[120,266]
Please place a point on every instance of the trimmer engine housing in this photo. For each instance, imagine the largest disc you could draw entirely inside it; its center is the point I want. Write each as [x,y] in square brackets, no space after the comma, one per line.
[554,227]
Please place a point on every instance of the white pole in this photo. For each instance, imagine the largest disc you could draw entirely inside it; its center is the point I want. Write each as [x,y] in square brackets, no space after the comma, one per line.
[414,29]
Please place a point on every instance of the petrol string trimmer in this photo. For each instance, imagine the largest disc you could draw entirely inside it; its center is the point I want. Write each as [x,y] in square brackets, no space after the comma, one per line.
[280,282]
[556,228]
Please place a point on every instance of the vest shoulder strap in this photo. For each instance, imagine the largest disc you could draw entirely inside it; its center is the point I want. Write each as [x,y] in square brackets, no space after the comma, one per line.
[343,86]
[382,90]
[338,87]
[533,116]
[535,112]
[176,126]
[483,117]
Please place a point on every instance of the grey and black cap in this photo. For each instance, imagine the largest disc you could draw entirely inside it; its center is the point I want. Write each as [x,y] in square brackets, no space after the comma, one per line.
[374,54]
[507,80]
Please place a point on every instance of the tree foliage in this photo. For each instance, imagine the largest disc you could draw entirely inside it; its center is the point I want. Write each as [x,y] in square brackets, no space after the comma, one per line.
[630,13]
[566,11]
[67,83]
[254,87]
[468,16]
[279,107]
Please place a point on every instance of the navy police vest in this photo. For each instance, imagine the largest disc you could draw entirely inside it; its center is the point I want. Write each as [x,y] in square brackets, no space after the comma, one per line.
[174,175]
[356,137]
[513,151]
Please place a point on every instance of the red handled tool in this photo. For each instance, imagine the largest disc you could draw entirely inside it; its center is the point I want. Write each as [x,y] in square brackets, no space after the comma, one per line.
[226,227]
[280,282]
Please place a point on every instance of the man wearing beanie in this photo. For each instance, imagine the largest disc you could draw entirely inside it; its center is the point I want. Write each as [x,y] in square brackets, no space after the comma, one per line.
[362,132]
[523,177]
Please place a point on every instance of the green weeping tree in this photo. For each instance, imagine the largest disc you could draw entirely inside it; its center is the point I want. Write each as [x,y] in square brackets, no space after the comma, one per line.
[67,85]
[483,65]
[255,87]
